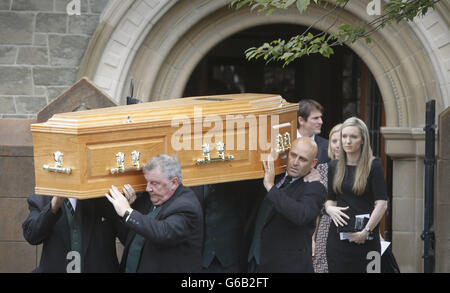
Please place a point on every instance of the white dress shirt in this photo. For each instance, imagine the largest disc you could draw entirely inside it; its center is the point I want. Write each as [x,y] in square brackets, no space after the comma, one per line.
[73,202]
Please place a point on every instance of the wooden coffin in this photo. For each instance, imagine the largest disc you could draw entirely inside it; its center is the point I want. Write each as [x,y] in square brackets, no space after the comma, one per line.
[216,138]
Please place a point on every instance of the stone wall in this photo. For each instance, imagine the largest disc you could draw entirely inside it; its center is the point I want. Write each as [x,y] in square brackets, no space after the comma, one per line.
[442,195]
[41,48]
[16,182]
[406,147]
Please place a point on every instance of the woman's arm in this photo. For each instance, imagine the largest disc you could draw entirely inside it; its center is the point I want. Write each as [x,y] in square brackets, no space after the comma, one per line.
[375,218]
[379,190]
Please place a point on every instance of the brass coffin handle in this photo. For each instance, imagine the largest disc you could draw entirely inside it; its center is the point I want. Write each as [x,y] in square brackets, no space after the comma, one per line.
[120,161]
[283,143]
[220,152]
[58,166]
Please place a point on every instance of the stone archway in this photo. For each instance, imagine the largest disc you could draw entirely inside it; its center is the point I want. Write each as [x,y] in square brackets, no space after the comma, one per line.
[159,43]
[169,36]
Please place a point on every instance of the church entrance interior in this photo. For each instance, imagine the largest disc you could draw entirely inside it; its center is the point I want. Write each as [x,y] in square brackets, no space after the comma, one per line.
[342,84]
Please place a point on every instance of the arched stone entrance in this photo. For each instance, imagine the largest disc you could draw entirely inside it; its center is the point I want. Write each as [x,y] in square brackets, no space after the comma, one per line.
[159,43]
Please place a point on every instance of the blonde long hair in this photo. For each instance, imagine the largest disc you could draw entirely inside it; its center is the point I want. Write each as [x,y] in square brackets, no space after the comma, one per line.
[335,129]
[364,162]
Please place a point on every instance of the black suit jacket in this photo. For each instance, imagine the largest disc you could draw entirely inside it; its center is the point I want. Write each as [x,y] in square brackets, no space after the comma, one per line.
[173,240]
[227,218]
[286,237]
[322,152]
[98,235]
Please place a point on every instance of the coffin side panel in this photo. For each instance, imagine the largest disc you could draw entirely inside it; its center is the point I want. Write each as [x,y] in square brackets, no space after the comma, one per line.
[44,147]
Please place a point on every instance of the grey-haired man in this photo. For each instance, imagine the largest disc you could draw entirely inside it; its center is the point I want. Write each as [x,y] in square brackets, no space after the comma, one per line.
[163,228]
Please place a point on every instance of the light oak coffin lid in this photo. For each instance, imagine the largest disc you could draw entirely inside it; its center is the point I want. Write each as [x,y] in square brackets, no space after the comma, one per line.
[161,113]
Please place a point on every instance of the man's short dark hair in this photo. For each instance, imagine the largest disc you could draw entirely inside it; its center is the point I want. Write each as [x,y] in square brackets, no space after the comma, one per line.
[306,106]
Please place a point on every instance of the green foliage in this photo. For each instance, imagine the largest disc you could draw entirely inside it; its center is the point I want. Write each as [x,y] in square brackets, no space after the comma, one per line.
[322,43]
[399,10]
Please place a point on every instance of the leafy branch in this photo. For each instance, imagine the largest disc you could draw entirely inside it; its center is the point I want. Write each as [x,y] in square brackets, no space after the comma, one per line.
[307,43]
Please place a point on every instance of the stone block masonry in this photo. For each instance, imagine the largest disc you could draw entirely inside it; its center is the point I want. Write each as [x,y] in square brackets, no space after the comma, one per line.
[41,48]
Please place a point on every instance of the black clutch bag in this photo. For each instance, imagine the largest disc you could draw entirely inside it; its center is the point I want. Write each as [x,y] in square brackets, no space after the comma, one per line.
[355,224]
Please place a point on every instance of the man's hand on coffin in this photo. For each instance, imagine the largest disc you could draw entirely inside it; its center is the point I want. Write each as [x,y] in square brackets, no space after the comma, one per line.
[118,200]
[269,175]
[129,193]
[314,175]
[56,203]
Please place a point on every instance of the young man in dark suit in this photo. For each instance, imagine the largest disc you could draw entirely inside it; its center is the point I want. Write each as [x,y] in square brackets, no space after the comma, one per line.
[310,122]
[163,229]
[286,217]
[78,236]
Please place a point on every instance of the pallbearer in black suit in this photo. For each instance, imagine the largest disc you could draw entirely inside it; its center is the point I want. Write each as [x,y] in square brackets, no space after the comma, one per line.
[228,213]
[310,122]
[163,228]
[286,217]
[78,236]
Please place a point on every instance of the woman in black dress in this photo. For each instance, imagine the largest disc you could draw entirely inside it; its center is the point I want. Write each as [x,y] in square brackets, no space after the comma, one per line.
[356,186]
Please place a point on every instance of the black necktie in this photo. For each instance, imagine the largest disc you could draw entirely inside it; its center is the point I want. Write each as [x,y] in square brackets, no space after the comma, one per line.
[287,180]
[69,205]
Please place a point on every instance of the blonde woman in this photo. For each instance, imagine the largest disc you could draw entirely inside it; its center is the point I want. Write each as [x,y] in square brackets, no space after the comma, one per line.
[323,221]
[356,187]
